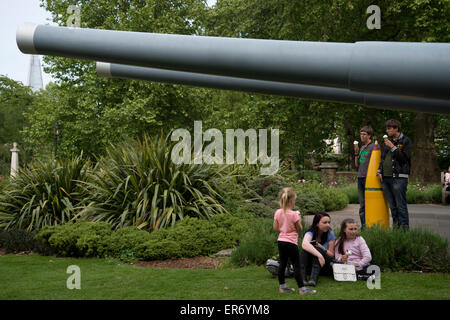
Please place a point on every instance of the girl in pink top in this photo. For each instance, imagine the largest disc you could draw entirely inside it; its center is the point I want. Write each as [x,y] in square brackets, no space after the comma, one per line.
[352,248]
[287,222]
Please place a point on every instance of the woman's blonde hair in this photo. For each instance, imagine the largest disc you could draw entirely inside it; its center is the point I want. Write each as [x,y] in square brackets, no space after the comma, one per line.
[286,195]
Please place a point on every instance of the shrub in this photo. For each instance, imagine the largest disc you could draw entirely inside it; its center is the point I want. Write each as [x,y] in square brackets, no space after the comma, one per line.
[193,237]
[257,245]
[47,194]
[267,187]
[233,194]
[351,190]
[418,193]
[189,237]
[162,250]
[289,175]
[312,175]
[416,249]
[235,225]
[80,239]
[18,240]
[309,202]
[125,244]
[258,209]
[332,198]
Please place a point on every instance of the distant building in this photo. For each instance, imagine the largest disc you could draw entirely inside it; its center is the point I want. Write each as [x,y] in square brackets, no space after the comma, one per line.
[35,74]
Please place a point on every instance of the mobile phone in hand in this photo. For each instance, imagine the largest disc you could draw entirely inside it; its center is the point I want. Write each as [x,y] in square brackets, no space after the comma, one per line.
[313,242]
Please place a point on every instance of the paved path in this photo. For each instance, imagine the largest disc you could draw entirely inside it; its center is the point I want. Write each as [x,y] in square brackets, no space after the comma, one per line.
[433,217]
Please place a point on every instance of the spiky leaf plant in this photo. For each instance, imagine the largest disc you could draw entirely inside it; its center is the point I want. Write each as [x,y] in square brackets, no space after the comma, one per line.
[137,184]
[48,193]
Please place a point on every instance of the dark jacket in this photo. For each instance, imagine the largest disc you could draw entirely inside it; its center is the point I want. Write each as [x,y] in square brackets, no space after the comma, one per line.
[401,157]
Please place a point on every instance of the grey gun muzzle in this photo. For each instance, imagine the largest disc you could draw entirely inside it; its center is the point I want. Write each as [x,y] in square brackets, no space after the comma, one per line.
[270,87]
[405,69]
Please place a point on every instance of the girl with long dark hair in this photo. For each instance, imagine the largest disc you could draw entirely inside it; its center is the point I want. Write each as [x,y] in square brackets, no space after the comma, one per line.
[352,248]
[318,249]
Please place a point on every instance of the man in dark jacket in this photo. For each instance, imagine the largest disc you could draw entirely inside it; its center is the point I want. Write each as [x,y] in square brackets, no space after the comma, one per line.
[394,172]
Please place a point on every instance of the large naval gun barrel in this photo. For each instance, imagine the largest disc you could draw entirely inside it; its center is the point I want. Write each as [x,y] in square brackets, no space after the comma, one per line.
[272,87]
[392,68]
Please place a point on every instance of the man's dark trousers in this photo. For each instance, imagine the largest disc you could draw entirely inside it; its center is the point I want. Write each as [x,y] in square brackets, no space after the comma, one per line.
[362,201]
[395,191]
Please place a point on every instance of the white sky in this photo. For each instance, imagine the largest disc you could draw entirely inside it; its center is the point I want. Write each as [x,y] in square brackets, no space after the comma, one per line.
[13,13]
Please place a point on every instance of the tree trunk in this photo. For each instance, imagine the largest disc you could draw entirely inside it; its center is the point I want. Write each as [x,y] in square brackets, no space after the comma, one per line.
[424,164]
[350,139]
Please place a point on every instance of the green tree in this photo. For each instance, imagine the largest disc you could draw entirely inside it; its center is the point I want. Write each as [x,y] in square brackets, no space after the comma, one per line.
[94,111]
[342,21]
[15,99]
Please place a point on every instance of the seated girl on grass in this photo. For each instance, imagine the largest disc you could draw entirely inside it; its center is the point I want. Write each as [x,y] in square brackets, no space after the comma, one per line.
[351,248]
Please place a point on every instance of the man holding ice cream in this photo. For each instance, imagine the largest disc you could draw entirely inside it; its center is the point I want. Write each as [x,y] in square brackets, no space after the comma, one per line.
[394,172]
[362,158]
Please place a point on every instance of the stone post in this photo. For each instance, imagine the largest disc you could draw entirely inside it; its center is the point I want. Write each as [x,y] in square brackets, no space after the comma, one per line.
[329,170]
[14,160]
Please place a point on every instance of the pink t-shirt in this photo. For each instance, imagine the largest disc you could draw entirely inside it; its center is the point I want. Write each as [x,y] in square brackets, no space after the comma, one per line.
[286,222]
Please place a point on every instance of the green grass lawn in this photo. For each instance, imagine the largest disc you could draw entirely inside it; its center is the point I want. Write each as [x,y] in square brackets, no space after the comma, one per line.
[39,277]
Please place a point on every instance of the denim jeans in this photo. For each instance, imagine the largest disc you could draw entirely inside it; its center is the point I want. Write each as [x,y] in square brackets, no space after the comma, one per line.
[362,201]
[395,192]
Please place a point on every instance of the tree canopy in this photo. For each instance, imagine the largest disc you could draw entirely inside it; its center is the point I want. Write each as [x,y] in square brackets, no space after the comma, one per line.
[94,111]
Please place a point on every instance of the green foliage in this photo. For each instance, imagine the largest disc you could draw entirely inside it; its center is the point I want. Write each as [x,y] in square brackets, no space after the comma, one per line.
[351,190]
[95,111]
[79,239]
[417,193]
[258,209]
[416,249]
[332,198]
[309,203]
[48,193]
[268,188]
[189,237]
[17,240]
[257,245]
[193,237]
[442,140]
[15,99]
[392,250]
[312,175]
[138,184]
[125,244]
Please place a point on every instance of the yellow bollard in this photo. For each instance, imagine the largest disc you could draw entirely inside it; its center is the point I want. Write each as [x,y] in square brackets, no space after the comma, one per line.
[377,208]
